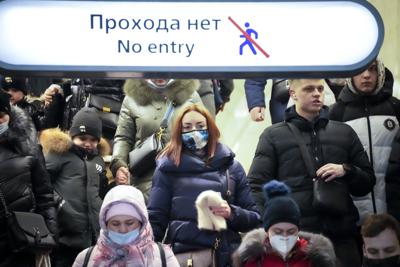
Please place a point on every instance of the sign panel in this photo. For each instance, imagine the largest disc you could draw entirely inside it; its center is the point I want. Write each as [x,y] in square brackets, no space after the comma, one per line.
[189,39]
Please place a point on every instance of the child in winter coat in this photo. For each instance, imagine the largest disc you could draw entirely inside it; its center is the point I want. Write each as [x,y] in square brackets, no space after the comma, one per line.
[76,169]
[280,244]
[126,237]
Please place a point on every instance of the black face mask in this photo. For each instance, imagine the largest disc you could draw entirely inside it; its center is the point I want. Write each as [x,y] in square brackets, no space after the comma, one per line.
[393,261]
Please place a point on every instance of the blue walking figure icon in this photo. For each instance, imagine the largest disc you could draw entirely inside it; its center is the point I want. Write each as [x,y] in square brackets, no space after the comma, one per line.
[249,31]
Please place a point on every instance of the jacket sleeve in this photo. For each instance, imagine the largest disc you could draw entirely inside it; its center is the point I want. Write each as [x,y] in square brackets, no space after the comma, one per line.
[245,215]
[124,139]
[254,90]
[159,204]
[43,191]
[263,168]
[361,175]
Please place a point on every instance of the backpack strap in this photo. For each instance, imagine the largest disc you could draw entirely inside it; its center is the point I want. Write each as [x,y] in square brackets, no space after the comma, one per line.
[87,256]
[162,254]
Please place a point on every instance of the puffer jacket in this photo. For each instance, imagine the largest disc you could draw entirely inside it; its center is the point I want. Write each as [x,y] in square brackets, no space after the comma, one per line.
[142,251]
[76,177]
[278,156]
[24,181]
[175,189]
[311,250]
[141,114]
[375,120]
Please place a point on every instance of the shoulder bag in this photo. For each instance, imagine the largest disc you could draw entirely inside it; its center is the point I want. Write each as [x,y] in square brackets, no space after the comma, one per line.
[142,157]
[328,197]
[27,231]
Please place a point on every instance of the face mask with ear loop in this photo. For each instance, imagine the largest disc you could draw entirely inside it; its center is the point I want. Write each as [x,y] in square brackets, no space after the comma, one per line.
[283,244]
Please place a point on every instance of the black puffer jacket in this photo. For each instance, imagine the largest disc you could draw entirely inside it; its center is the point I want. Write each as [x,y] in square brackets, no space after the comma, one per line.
[24,181]
[76,177]
[278,157]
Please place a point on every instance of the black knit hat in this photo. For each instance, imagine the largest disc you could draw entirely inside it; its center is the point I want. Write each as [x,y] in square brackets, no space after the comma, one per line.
[5,102]
[19,84]
[279,206]
[86,121]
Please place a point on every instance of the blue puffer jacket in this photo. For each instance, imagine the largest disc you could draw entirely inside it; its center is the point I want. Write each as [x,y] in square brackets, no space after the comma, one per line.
[175,189]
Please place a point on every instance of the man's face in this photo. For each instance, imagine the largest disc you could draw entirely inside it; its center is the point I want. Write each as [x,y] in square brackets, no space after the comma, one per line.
[308,95]
[382,246]
[16,96]
[366,81]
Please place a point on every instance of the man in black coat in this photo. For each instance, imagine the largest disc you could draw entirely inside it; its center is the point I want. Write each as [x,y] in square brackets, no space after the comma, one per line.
[337,155]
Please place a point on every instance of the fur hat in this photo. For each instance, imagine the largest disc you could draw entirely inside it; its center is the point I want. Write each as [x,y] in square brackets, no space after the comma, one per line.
[279,206]
[5,102]
[19,84]
[205,218]
[86,121]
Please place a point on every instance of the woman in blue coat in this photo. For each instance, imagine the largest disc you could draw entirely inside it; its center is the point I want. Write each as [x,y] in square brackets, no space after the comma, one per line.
[195,161]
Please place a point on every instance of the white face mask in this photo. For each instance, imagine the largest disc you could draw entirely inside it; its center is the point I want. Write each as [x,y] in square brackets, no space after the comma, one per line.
[283,244]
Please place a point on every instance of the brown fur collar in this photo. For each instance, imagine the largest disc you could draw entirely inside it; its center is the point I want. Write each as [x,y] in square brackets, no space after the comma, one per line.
[319,250]
[56,141]
[180,91]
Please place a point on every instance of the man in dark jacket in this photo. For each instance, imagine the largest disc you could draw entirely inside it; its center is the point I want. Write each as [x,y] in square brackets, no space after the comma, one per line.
[367,105]
[337,156]
[25,184]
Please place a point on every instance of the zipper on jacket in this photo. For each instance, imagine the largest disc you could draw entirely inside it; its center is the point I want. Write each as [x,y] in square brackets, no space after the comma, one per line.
[371,156]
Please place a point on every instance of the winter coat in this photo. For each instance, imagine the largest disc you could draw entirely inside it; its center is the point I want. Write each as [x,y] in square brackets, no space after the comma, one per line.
[311,250]
[142,251]
[175,189]
[76,178]
[24,181]
[278,156]
[141,114]
[374,119]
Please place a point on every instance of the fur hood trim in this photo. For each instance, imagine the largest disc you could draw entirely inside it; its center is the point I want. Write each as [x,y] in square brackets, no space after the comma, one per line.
[180,91]
[319,249]
[21,132]
[56,141]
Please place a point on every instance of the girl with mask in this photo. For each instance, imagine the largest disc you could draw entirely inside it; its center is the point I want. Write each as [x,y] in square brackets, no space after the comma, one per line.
[279,243]
[126,237]
[192,162]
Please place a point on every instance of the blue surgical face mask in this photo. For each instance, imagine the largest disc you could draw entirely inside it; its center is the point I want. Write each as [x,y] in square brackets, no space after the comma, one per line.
[124,238]
[3,127]
[195,140]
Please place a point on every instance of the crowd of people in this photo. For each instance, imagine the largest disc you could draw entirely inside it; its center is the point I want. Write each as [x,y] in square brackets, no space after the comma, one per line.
[194,205]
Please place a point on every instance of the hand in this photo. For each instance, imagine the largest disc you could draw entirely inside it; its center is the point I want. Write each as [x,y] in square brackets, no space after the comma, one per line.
[122,176]
[50,92]
[223,210]
[257,113]
[331,171]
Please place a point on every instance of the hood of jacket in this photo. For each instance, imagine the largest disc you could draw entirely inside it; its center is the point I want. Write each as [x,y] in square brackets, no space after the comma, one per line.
[191,163]
[56,141]
[380,68]
[179,91]
[348,93]
[21,132]
[319,250]
[131,195]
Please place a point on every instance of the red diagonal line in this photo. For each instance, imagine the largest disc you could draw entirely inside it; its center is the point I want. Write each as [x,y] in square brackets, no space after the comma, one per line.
[248,37]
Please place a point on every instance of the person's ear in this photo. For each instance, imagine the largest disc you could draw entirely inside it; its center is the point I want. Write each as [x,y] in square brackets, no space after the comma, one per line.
[292,94]
[364,250]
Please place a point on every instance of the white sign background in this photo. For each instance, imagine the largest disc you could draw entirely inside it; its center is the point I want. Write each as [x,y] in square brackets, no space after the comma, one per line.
[295,34]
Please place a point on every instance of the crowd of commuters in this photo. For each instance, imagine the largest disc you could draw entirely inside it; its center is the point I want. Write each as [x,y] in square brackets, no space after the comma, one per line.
[195,205]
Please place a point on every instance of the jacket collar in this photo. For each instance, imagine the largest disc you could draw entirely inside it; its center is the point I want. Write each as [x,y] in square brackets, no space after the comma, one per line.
[348,96]
[303,124]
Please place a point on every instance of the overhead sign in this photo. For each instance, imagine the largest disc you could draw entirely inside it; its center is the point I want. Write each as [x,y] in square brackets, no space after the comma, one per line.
[189,39]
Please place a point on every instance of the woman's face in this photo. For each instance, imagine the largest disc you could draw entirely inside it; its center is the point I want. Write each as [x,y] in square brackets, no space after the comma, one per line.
[283,229]
[123,223]
[193,121]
